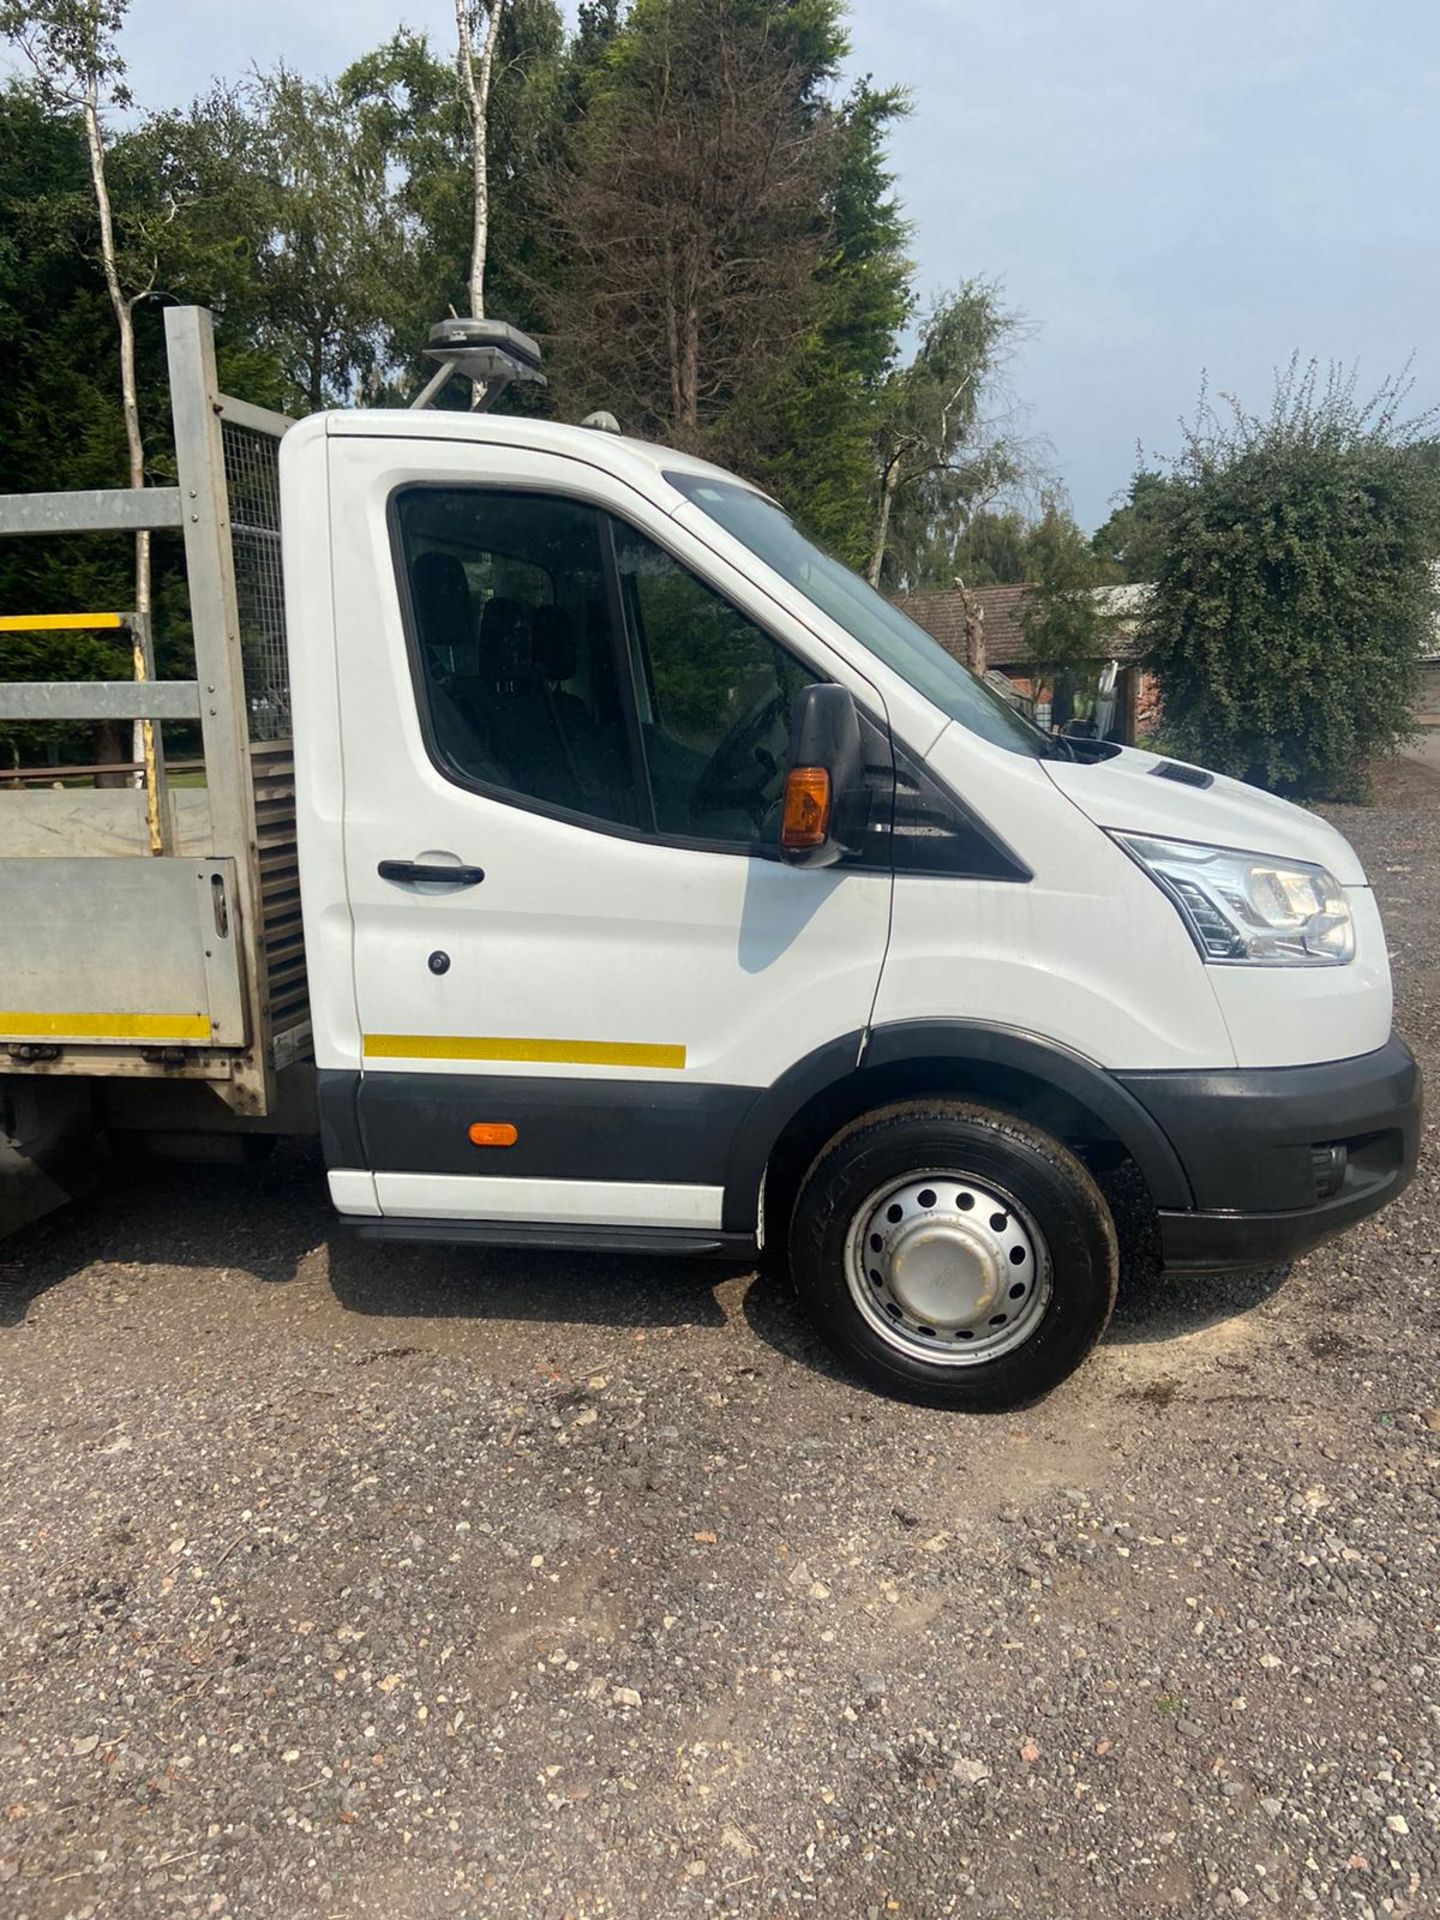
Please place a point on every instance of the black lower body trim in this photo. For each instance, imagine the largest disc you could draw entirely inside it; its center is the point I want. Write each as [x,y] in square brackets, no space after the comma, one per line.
[1224,1242]
[673,1133]
[691,1241]
[1281,1158]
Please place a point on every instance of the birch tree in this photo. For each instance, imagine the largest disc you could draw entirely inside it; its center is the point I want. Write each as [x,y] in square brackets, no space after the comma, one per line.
[477,30]
[71,45]
[936,452]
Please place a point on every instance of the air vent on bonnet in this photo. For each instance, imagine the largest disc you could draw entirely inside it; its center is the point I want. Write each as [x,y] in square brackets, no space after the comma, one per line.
[1186,776]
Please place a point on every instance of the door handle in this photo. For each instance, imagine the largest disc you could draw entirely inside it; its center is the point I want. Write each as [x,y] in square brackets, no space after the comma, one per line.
[415,873]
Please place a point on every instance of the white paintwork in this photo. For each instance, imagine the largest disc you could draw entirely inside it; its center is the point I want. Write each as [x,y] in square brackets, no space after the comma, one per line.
[749,965]
[1274,1016]
[596,1203]
[1080,954]
[1290,1016]
[319,765]
[576,932]
[352,1191]
[1123,793]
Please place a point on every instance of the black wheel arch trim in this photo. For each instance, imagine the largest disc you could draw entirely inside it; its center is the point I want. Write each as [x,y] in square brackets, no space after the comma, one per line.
[1087,1083]
[973,1042]
[774,1108]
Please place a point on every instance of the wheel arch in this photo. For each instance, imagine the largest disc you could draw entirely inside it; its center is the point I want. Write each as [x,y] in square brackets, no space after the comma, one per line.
[1025,1074]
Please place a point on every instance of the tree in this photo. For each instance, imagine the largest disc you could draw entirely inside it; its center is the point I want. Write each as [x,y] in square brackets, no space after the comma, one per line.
[809,435]
[408,107]
[523,134]
[477,30]
[597,23]
[1065,624]
[206,170]
[71,46]
[994,549]
[688,212]
[61,423]
[304,174]
[333,246]
[790,394]
[1294,588]
[1127,545]
[936,453]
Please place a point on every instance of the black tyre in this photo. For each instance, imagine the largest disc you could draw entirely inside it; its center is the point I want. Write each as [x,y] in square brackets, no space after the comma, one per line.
[954,1255]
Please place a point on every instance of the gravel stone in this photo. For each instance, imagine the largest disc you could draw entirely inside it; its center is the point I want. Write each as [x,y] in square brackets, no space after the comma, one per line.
[323,1594]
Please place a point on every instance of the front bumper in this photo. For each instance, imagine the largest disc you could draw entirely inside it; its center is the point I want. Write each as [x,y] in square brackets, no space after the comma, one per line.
[1280,1158]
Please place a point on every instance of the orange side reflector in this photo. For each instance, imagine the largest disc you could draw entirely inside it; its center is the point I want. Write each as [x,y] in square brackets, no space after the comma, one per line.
[807,808]
[493,1133]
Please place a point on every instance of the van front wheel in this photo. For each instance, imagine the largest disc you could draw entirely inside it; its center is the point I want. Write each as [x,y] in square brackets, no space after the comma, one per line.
[952,1254]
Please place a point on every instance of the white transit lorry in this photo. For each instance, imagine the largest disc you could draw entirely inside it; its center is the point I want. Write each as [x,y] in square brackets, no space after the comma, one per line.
[598,865]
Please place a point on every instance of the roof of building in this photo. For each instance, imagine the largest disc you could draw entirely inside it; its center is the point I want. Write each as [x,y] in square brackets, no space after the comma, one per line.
[943,615]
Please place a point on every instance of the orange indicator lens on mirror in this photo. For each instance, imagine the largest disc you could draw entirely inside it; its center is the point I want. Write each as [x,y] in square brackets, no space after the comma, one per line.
[807,808]
[493,1133]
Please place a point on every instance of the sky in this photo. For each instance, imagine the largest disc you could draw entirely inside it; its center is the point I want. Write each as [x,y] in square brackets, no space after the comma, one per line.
[1168,189]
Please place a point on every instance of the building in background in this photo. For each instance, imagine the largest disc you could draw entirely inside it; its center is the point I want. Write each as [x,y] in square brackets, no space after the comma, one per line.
[1427,710]
[950,616]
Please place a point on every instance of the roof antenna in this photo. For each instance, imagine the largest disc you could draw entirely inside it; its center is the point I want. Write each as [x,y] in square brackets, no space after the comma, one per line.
[491,354]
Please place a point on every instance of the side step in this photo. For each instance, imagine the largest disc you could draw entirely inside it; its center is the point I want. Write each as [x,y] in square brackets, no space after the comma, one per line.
[687,1241]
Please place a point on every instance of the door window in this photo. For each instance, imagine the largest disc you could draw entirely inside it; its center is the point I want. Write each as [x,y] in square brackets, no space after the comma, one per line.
[514,646]
[565,658]
[715,695]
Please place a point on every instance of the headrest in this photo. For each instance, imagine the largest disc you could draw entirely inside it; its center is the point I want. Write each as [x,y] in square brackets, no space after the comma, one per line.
[552,643]
[504,640]
[442,600]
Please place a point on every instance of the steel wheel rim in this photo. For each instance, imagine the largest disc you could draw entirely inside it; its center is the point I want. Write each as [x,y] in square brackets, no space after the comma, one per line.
[947,1268]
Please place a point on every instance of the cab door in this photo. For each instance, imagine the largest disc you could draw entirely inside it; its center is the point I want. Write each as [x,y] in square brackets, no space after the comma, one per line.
[577,958]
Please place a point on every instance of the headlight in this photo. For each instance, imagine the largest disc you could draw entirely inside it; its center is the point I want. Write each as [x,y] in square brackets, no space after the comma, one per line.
[1244,907]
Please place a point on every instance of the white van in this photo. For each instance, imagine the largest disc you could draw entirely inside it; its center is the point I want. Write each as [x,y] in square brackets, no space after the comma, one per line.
[665,889]
[661,888]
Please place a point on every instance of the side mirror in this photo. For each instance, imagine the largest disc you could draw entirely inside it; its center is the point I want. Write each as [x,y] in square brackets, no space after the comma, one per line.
[826,803]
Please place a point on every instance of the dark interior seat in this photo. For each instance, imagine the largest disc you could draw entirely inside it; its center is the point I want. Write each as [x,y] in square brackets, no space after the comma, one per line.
[505,644]
[443,613]
[595,746]
[445,622]
[555,659]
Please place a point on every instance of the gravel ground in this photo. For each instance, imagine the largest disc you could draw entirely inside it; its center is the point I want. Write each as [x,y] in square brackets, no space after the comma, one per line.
[350,1581]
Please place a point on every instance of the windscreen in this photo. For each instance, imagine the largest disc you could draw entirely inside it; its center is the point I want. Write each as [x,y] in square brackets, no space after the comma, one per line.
[757,523]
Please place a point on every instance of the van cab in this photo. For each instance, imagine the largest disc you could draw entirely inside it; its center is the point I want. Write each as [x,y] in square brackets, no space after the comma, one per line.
[665,889]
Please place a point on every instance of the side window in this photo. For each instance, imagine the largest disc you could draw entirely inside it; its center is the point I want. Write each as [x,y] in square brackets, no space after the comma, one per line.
[715,695]
[511,596]
[515,651]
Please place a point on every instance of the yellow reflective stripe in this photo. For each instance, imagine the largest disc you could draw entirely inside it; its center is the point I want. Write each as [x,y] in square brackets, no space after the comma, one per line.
[559,1053]
[105,1026]
[59,622]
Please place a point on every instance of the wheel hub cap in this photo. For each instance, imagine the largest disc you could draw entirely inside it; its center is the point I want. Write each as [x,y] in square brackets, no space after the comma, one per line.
[946,1269]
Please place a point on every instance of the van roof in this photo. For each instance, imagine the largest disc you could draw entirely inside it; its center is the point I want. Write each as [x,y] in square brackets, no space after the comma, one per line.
[642,462]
